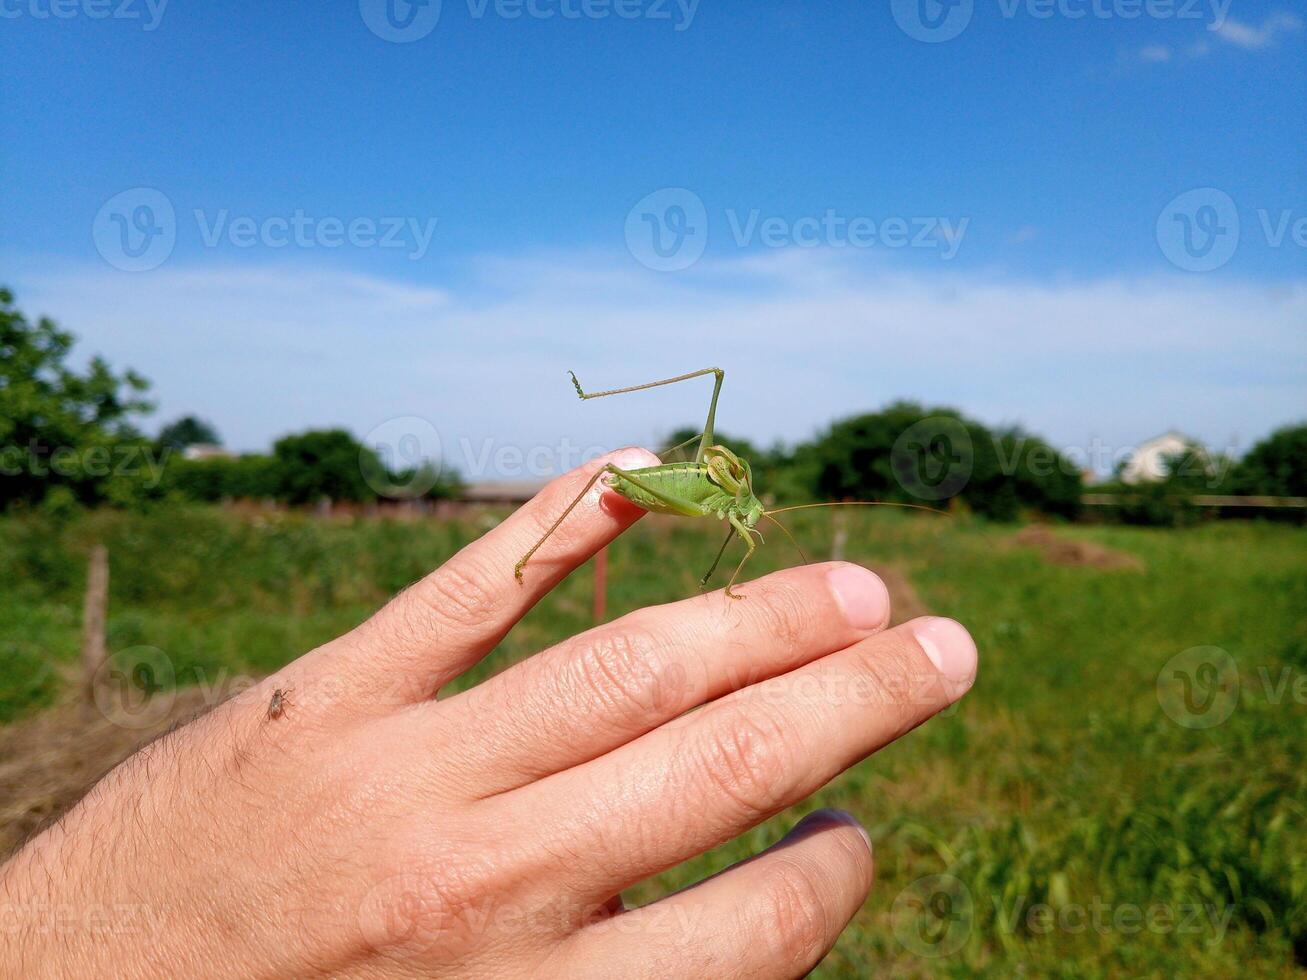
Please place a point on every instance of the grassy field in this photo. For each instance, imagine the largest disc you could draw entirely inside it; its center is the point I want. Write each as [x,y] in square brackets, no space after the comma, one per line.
[1074,817]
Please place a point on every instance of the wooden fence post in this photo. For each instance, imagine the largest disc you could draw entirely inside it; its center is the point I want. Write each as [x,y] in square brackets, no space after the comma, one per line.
[94,614]
[841,536]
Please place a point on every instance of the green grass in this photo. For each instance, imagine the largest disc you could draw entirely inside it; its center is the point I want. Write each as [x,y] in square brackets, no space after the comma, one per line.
[1092,834]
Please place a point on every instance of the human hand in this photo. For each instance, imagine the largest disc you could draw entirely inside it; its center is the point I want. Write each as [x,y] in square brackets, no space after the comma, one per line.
[369,830]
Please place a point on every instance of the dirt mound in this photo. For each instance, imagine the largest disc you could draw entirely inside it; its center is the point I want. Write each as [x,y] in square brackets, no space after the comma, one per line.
[49,760]
[1058,550]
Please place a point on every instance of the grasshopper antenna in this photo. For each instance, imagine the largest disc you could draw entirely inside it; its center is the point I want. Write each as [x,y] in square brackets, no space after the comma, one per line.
[860,503]
[786,531]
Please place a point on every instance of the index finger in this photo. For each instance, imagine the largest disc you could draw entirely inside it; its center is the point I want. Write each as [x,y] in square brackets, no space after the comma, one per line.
[439,627]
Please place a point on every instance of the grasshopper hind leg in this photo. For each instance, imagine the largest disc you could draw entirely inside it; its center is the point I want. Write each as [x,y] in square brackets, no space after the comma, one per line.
[686,508]
[521,564]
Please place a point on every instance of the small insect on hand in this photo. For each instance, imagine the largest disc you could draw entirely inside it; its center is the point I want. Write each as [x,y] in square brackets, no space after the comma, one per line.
[716,483]
[279,703]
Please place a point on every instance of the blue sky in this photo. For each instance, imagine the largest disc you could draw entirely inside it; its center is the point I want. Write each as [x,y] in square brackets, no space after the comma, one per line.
[1033,220]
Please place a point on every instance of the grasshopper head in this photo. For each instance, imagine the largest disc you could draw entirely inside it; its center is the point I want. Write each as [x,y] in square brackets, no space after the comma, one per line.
[735,476]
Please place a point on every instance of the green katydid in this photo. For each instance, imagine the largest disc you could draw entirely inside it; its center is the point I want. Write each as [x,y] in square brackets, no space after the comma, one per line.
[716,483]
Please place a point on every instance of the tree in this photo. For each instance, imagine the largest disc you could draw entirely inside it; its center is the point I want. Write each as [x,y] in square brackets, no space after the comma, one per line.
[1277,466]
[322,463]
[913,454]
[188,431]
[60,428]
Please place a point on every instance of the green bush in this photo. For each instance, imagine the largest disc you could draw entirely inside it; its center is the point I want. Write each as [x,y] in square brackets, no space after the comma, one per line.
[1276,466]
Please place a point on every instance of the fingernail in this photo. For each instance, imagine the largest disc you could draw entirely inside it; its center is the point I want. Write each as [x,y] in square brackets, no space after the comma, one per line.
[861,596]
[844,817]
[951,649]
[633,458]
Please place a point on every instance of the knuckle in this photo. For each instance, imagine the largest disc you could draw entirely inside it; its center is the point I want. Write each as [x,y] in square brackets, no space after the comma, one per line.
[890,681]
[618,670]
[460,593]
[794,921]
[783,614]
[747,758]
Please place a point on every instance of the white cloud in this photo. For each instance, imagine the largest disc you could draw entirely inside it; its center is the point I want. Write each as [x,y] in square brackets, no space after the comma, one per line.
[805,335]
[1256,37]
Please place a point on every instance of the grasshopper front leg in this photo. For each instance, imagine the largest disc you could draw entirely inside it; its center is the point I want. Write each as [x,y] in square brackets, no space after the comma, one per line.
[703,582]
[743,532]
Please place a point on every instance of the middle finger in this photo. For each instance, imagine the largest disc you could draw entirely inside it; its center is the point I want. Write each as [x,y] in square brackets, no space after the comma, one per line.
[688,786]
[597,691]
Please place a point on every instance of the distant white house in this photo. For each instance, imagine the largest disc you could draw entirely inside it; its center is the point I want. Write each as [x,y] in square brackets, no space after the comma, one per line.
[205,450]
[1148,461]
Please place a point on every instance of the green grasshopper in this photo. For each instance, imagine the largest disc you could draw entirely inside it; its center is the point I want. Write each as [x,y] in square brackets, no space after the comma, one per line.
[716,483]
